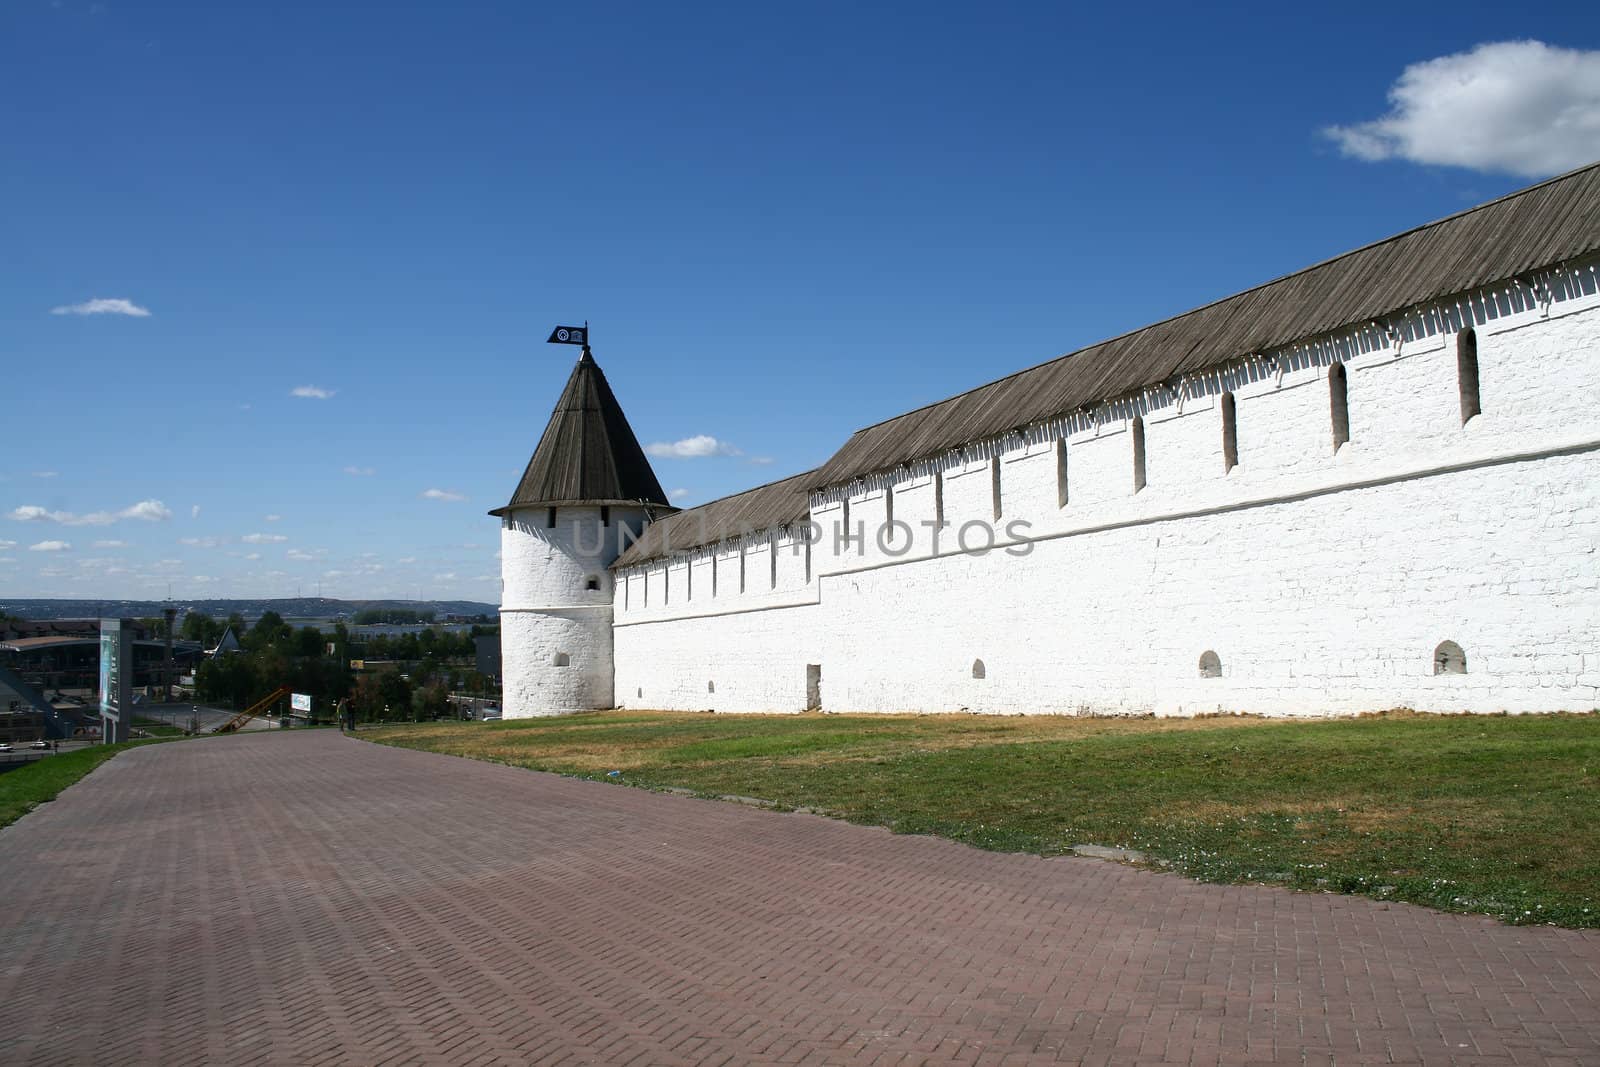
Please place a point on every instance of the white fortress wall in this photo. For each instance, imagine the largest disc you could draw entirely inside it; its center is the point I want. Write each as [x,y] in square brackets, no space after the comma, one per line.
[696,650]
[1323,580]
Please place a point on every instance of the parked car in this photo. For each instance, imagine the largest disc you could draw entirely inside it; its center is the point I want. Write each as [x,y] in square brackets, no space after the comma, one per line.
[4,747]
[40,744]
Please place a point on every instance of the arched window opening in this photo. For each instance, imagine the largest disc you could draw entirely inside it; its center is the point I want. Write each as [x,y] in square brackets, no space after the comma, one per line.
[1230,434]
[711,687]
[979,670]
[592,582]
[888,505]
[1449,659]
[1210,664]
[1467,373]
[1138,453]
[640,692]
[562,660]
[1339,403]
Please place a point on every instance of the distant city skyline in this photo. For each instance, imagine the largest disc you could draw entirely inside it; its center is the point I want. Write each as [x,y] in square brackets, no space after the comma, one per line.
[277,281]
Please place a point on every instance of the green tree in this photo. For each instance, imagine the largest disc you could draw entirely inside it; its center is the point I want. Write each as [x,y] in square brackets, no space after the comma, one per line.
[270,630]
[310,642]
[200,627]
[430,702]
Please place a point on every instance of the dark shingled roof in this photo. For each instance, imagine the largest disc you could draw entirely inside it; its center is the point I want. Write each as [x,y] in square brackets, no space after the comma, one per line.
[1540,226]
[588,454]
[763,508]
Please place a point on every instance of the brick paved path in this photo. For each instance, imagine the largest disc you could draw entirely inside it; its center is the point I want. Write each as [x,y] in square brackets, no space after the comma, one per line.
[308,898]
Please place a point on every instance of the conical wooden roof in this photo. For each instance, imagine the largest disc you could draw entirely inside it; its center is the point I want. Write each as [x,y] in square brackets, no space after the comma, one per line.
[588,454]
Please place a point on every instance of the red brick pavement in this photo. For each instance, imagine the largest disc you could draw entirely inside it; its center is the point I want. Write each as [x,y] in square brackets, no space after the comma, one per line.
[314,899]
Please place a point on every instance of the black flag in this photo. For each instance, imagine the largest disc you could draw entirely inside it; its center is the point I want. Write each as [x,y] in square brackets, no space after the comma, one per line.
[569,335]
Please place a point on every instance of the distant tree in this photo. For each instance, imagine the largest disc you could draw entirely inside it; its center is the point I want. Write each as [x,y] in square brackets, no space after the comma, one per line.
[309,641]
[366,698]
[202,628]
[396,692]
[238,625]
[430,702]
[269,631]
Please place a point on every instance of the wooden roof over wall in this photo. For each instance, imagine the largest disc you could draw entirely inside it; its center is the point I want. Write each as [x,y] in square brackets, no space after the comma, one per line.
[762,508]
[1541,226]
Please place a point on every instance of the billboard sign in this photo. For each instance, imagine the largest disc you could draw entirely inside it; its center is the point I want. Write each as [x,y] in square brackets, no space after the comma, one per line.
[116,679]
[300,701]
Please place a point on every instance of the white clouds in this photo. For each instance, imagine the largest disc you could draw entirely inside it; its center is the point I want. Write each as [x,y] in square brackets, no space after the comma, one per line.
[441,494]
[406,559]
[360,472]
[299,556]
[263,539]
[194,511]
[7,559]
[100,306]
[677,494]
[51,546]
[144,511]
[252,555]
[1521,107]
[312,392]
[199,542]
[447,576]
[696,447]
[103,544]
[272,518]
[46,474]
[7,544]
[761,461]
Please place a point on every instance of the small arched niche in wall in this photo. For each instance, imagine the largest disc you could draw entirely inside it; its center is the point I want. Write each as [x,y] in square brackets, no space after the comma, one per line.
[979,670]
[1448,658]
[561,660]
[592,582]
[1210,664]
[711,687]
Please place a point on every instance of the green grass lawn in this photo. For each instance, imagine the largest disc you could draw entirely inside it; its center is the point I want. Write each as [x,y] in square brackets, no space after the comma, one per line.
[26,788]
[1491,814]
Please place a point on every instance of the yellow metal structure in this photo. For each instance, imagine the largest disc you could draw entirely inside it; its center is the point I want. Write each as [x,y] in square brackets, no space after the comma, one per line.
[253,710]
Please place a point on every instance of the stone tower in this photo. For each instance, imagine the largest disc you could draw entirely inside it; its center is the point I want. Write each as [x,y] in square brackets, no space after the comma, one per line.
[587,483]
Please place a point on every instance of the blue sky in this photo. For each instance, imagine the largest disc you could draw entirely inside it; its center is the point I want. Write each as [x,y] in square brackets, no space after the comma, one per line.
[783,223]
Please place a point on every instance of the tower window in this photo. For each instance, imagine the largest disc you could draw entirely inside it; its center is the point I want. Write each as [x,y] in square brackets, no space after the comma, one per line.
[592,582]
[562,660]
[1210,665]
[550,520]
[1467,373]
[605,515]
[1448,658]
[1138,453]
[888,505]
[1339,403]
[1230,433]
[979,670]
[938,497]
